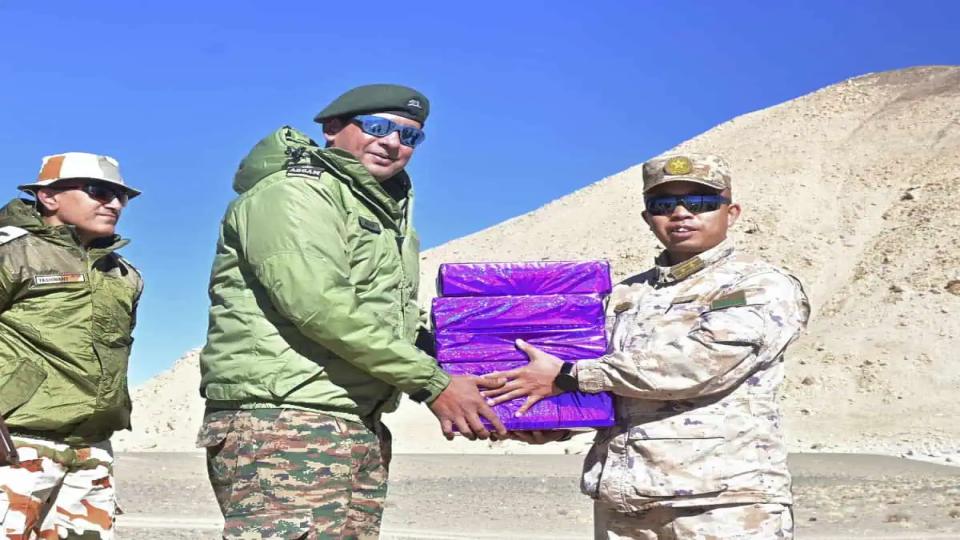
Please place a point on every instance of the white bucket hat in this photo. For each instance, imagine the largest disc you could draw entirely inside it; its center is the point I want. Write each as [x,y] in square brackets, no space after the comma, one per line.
[79,165]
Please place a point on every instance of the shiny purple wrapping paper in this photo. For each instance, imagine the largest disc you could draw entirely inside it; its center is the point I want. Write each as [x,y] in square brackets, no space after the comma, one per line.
[478,329]
[555,306]
[570,410]
[524,278]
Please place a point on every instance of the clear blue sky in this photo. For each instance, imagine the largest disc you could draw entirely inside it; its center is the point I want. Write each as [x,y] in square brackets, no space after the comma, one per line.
[530,99]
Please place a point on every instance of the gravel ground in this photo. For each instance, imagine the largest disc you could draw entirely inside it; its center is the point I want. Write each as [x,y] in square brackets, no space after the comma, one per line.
[838,496]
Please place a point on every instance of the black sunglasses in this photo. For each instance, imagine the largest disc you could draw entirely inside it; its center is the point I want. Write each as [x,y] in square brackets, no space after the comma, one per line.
[102,193]
[664,205]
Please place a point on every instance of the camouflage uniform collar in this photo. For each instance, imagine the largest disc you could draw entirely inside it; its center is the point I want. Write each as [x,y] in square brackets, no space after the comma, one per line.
[667,274]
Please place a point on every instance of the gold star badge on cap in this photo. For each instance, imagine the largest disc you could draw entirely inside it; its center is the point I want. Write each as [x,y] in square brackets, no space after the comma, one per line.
[678,165]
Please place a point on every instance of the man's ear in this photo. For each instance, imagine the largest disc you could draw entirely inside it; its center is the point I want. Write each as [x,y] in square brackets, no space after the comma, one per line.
[646,218]
[331,127]
[733,214]
[47,200]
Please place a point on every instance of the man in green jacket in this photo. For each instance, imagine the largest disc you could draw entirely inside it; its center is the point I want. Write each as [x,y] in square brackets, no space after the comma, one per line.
[67,311]
[314,324]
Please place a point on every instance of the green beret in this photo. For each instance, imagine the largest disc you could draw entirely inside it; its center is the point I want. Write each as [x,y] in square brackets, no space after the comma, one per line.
[382,98]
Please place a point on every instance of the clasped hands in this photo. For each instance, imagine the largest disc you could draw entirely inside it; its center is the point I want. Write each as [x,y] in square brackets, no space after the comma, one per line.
[461,405]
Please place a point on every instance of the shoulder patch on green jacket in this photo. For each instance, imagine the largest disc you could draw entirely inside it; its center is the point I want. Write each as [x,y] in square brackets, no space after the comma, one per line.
[10,232]
[370,225]
[311,171]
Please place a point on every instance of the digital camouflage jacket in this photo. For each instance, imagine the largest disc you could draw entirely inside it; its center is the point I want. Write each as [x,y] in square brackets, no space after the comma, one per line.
[696,360]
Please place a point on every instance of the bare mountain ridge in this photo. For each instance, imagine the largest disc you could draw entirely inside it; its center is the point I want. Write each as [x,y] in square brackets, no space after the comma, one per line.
[851,188]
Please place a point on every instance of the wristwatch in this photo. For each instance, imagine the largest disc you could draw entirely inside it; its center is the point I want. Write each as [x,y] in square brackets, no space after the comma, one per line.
[565,380]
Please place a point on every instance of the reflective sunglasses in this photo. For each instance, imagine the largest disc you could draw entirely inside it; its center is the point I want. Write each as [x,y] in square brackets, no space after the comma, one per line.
[664,205]
[381,127]
[102,193]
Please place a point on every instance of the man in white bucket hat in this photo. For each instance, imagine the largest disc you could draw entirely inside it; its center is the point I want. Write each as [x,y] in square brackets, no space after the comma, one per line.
[63,181]
[67,310]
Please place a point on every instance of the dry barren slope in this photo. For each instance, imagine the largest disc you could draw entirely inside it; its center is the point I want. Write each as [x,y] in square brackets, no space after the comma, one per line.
[852,188]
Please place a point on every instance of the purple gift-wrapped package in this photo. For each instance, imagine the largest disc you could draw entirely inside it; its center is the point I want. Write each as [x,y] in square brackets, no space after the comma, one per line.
[524,278]
[477,329]
[570,410]
[555,306]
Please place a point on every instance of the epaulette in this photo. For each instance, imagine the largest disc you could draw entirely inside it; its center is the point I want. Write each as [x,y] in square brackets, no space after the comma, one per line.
[138,277]
[10,233]
[128,265]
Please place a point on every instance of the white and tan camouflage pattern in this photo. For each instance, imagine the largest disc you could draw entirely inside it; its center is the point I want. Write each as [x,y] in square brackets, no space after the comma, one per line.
[756,521]
[80,165]
[706,169]
[58,491]
[696,359]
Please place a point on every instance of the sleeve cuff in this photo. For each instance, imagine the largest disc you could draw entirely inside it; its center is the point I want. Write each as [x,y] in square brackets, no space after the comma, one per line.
[435,385]
[591,378]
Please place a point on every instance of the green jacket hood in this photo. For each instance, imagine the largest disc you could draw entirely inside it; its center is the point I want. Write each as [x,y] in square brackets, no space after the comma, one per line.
[273,153]
[21,213]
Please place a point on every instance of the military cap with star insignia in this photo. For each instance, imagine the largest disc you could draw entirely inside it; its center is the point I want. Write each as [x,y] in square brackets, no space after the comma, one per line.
[378,98]
[706,169]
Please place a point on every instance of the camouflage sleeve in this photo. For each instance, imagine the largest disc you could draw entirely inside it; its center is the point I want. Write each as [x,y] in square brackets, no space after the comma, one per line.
[711,353]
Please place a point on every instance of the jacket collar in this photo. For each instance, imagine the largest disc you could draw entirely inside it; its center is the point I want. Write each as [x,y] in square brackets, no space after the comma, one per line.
[368,186]
[667,274]
[23,214]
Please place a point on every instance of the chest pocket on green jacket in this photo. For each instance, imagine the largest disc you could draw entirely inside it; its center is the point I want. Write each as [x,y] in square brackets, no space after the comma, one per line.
[19,380]
[49,299]
[368,252]
[114,296]
[375,269]
[411,261]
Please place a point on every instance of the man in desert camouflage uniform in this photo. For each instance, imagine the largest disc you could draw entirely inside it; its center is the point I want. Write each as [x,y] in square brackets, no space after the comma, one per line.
[696,359]
[68,310]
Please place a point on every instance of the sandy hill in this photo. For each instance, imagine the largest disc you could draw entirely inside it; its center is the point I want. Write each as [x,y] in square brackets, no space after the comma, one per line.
[852,188]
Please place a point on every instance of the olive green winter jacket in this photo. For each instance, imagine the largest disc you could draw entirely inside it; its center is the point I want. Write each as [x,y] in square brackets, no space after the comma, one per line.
[66,317]
[314,286]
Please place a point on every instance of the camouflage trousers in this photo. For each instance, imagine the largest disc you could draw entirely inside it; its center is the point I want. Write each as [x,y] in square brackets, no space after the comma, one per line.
[58,491]
[728,522]
[286,473]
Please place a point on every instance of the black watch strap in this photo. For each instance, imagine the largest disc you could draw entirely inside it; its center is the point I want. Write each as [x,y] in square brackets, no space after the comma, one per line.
[565,380]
